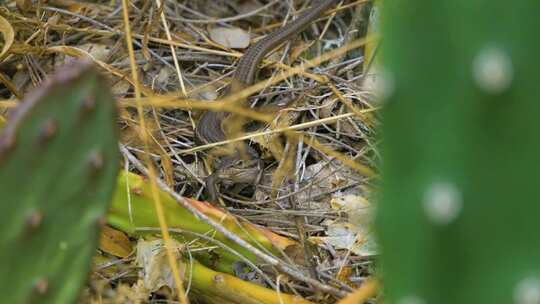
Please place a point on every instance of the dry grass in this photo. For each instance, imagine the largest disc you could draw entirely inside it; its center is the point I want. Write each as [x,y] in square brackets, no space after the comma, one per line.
[320,147]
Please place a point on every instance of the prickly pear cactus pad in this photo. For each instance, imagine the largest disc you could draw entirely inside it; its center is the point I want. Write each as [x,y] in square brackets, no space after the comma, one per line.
[58,166]
[458,218]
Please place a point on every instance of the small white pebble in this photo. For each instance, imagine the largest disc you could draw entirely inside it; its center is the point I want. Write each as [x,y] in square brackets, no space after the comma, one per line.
[527,291]
[493,70]
[442,203]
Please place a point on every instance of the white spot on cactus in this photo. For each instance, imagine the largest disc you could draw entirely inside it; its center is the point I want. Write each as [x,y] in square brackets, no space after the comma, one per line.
[411,299]
[493,70]
[527,291]
[63,245]
[442,203]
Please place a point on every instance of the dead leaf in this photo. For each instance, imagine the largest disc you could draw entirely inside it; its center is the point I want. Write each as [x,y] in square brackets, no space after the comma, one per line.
[8,35]
[247,7]
[348,237]
[297,254]
[98,51]
[234,38]
[359,211]
[163,76]
[114,242]
[152,258]
[23,5]
[53,20]
[352,231]
[120,88]
[324,176]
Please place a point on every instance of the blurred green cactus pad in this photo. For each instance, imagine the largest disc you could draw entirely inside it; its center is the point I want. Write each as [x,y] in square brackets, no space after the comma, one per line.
[58,166]
[458,211]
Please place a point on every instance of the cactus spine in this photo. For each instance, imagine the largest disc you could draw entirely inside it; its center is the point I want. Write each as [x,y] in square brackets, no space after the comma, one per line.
[58,164]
